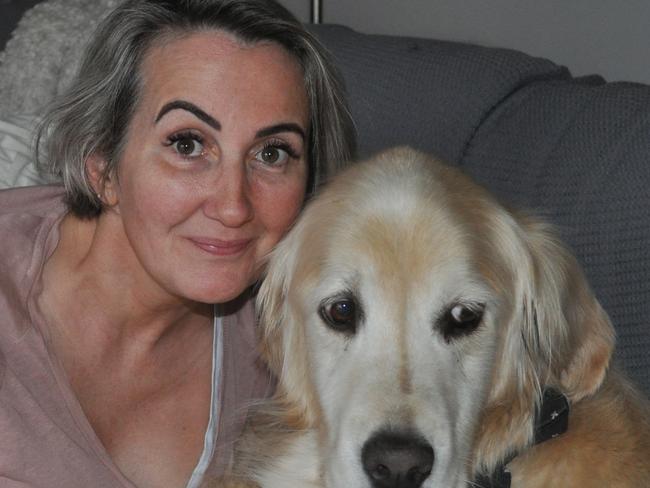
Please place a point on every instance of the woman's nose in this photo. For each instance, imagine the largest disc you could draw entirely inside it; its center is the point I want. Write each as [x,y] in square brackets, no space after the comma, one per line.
[229,199]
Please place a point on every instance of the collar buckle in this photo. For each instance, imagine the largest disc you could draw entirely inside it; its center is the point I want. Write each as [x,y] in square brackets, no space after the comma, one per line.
[553,416]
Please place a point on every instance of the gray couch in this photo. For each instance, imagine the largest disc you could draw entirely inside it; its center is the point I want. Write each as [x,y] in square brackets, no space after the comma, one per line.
[576,151]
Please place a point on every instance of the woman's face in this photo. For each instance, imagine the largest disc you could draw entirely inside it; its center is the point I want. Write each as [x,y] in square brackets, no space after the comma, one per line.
[214,168]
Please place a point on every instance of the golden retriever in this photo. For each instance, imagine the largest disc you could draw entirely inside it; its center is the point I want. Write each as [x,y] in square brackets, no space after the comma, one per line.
[416,328]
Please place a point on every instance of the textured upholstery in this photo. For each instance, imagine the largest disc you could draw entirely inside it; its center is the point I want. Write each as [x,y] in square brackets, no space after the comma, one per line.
[575,151]
[429,94]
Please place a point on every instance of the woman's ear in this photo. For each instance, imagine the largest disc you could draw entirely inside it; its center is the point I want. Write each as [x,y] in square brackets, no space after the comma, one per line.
[103,184]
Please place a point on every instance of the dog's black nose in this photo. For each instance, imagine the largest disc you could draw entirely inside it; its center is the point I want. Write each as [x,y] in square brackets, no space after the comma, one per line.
[397,460]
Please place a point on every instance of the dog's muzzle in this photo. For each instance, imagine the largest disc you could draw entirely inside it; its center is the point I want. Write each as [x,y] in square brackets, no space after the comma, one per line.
[397,459]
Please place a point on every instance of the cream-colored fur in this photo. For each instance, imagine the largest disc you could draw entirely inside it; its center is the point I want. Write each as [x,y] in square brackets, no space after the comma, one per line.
[410,241]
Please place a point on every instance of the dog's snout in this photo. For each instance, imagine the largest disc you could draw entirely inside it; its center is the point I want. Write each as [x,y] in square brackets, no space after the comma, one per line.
[397,460]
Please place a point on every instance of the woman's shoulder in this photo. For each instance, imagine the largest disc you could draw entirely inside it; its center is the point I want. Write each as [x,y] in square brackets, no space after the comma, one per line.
[31,200]
[23,211]
[27,217]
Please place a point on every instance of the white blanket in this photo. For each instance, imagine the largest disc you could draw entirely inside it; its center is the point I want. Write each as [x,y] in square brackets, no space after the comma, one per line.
[16,155]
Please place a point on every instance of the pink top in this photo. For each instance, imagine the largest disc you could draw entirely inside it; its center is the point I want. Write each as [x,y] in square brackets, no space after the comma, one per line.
[45,438]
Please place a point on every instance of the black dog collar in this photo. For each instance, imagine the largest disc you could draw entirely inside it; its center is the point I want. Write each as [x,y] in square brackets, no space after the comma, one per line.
[552,420]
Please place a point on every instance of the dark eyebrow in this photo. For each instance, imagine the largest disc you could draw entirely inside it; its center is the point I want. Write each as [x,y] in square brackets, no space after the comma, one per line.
[276,129]
[190,107]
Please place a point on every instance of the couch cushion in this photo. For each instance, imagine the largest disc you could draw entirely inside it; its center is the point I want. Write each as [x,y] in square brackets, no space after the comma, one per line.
[429,94]
[578,152]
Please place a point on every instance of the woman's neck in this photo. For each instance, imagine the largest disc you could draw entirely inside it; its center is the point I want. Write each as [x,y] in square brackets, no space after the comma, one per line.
[95,290]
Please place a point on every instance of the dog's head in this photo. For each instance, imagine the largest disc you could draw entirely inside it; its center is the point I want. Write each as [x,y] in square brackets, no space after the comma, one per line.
[413,321]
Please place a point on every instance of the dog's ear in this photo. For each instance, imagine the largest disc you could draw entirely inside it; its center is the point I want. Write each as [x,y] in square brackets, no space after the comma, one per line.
[566,333]
[282,328]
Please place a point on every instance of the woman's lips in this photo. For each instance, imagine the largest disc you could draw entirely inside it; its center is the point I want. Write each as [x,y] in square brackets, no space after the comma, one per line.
[219,247]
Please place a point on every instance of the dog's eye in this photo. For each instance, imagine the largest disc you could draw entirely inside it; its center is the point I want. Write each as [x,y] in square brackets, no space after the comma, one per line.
[341,314]
[460,319]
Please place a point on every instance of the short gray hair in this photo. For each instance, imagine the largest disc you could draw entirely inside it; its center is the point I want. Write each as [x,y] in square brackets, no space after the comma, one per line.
[93,116]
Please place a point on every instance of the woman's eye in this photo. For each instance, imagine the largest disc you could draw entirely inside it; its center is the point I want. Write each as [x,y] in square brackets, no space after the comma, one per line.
[187,145]
[273,155]
[189,148]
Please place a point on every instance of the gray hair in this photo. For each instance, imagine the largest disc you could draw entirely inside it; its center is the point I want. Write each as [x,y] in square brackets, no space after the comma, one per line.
[93,116]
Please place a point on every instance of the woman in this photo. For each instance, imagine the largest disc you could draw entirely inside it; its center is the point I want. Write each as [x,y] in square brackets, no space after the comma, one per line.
[187,146]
